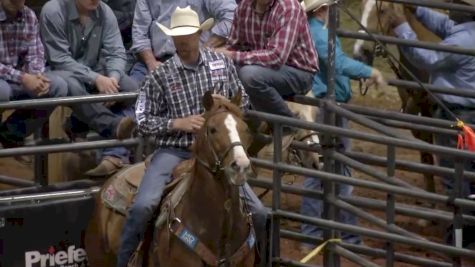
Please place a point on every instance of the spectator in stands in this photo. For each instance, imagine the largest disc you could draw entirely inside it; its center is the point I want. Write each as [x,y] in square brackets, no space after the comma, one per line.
[22,71]
[169,107]
[124,12]
[271,43]
[446,70]
[152,46]
[346,68]
[76,33]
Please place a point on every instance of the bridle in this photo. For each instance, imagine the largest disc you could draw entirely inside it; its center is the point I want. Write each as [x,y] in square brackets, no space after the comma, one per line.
[217,168]
[379,51]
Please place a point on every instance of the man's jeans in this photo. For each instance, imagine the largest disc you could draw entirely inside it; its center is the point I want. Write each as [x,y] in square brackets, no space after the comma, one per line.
[267,87]
[314,207]
[138,72]
[23,122]
[149,194]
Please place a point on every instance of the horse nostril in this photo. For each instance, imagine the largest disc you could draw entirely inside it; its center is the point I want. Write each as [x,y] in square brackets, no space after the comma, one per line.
[235,166]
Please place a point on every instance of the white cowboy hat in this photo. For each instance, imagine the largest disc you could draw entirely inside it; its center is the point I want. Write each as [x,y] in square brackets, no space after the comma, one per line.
[185,21]
[470,2]
[310,5]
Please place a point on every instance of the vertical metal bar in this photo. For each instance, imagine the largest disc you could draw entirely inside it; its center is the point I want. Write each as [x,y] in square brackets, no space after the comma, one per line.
[40,161]
[330,258]
[390,211]
[276,190]
[339,168]
[40,169]
[457,192]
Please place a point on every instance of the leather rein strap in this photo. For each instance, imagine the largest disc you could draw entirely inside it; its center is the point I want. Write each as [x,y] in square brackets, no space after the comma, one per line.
[193,243]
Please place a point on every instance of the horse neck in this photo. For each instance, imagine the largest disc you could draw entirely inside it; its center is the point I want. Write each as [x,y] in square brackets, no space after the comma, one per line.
[208,197]
[423,34]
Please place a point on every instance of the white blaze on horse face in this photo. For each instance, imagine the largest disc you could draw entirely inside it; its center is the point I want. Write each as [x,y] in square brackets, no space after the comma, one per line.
[239,154]
[368,6]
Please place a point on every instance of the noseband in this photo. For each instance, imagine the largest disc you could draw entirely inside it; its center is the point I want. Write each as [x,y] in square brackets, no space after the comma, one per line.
[217,167]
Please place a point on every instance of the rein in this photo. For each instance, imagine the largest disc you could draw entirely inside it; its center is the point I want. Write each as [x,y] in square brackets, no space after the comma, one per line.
[191,239]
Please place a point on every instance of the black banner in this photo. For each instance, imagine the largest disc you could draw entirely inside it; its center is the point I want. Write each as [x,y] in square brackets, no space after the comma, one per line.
[46,234]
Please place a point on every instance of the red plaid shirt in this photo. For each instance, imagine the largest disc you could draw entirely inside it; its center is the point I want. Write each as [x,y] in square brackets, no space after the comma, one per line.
[278,37]
[21,49]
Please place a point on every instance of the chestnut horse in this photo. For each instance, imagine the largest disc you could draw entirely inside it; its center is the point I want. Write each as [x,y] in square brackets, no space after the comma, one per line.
[210,216]
[375,19]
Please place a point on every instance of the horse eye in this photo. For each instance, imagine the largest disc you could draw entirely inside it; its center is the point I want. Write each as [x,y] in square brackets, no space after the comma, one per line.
[212,130]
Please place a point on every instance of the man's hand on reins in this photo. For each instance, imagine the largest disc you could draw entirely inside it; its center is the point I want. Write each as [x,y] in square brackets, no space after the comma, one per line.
[190,124]
[376,79]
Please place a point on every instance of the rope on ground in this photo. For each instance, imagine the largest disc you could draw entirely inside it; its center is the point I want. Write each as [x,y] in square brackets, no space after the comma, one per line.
[319,249]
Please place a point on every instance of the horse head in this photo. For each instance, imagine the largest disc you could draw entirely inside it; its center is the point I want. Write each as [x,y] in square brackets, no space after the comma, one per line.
[222,142]
[375,18]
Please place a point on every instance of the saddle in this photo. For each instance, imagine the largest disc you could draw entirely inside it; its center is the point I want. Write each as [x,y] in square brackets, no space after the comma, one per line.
[119,194]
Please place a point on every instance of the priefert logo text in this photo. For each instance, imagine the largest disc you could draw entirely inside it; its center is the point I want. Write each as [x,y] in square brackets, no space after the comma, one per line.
[70,258]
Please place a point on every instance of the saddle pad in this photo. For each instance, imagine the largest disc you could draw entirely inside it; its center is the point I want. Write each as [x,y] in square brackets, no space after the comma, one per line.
[119,193]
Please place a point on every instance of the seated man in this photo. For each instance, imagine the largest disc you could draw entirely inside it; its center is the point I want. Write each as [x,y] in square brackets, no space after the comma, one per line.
[124,12]
[22,67]
[169,107]
[270,42]
[152,46]
[76,34]
[345,68]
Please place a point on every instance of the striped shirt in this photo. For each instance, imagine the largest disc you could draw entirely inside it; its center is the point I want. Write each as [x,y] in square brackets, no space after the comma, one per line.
[174,91]
[278,37]
[21,49]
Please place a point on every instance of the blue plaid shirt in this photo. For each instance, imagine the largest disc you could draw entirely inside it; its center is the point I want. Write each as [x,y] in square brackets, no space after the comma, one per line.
[175,91]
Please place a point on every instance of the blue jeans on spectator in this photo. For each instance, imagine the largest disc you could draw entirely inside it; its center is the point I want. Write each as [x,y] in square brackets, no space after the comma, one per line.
[138,72]
[314,207]
[120,151]
[23,122]
[139,69]
[157,175]
[96,116]
[268,87]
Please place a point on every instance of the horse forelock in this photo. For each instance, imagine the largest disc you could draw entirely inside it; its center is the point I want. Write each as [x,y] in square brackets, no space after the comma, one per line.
[224,106]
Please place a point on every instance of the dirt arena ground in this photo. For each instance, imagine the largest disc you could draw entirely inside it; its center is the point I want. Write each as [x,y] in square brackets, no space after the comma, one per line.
[384,98]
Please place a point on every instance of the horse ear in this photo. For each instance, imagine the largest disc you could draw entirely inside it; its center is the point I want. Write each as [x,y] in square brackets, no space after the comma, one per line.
[208,101]
[236,100]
